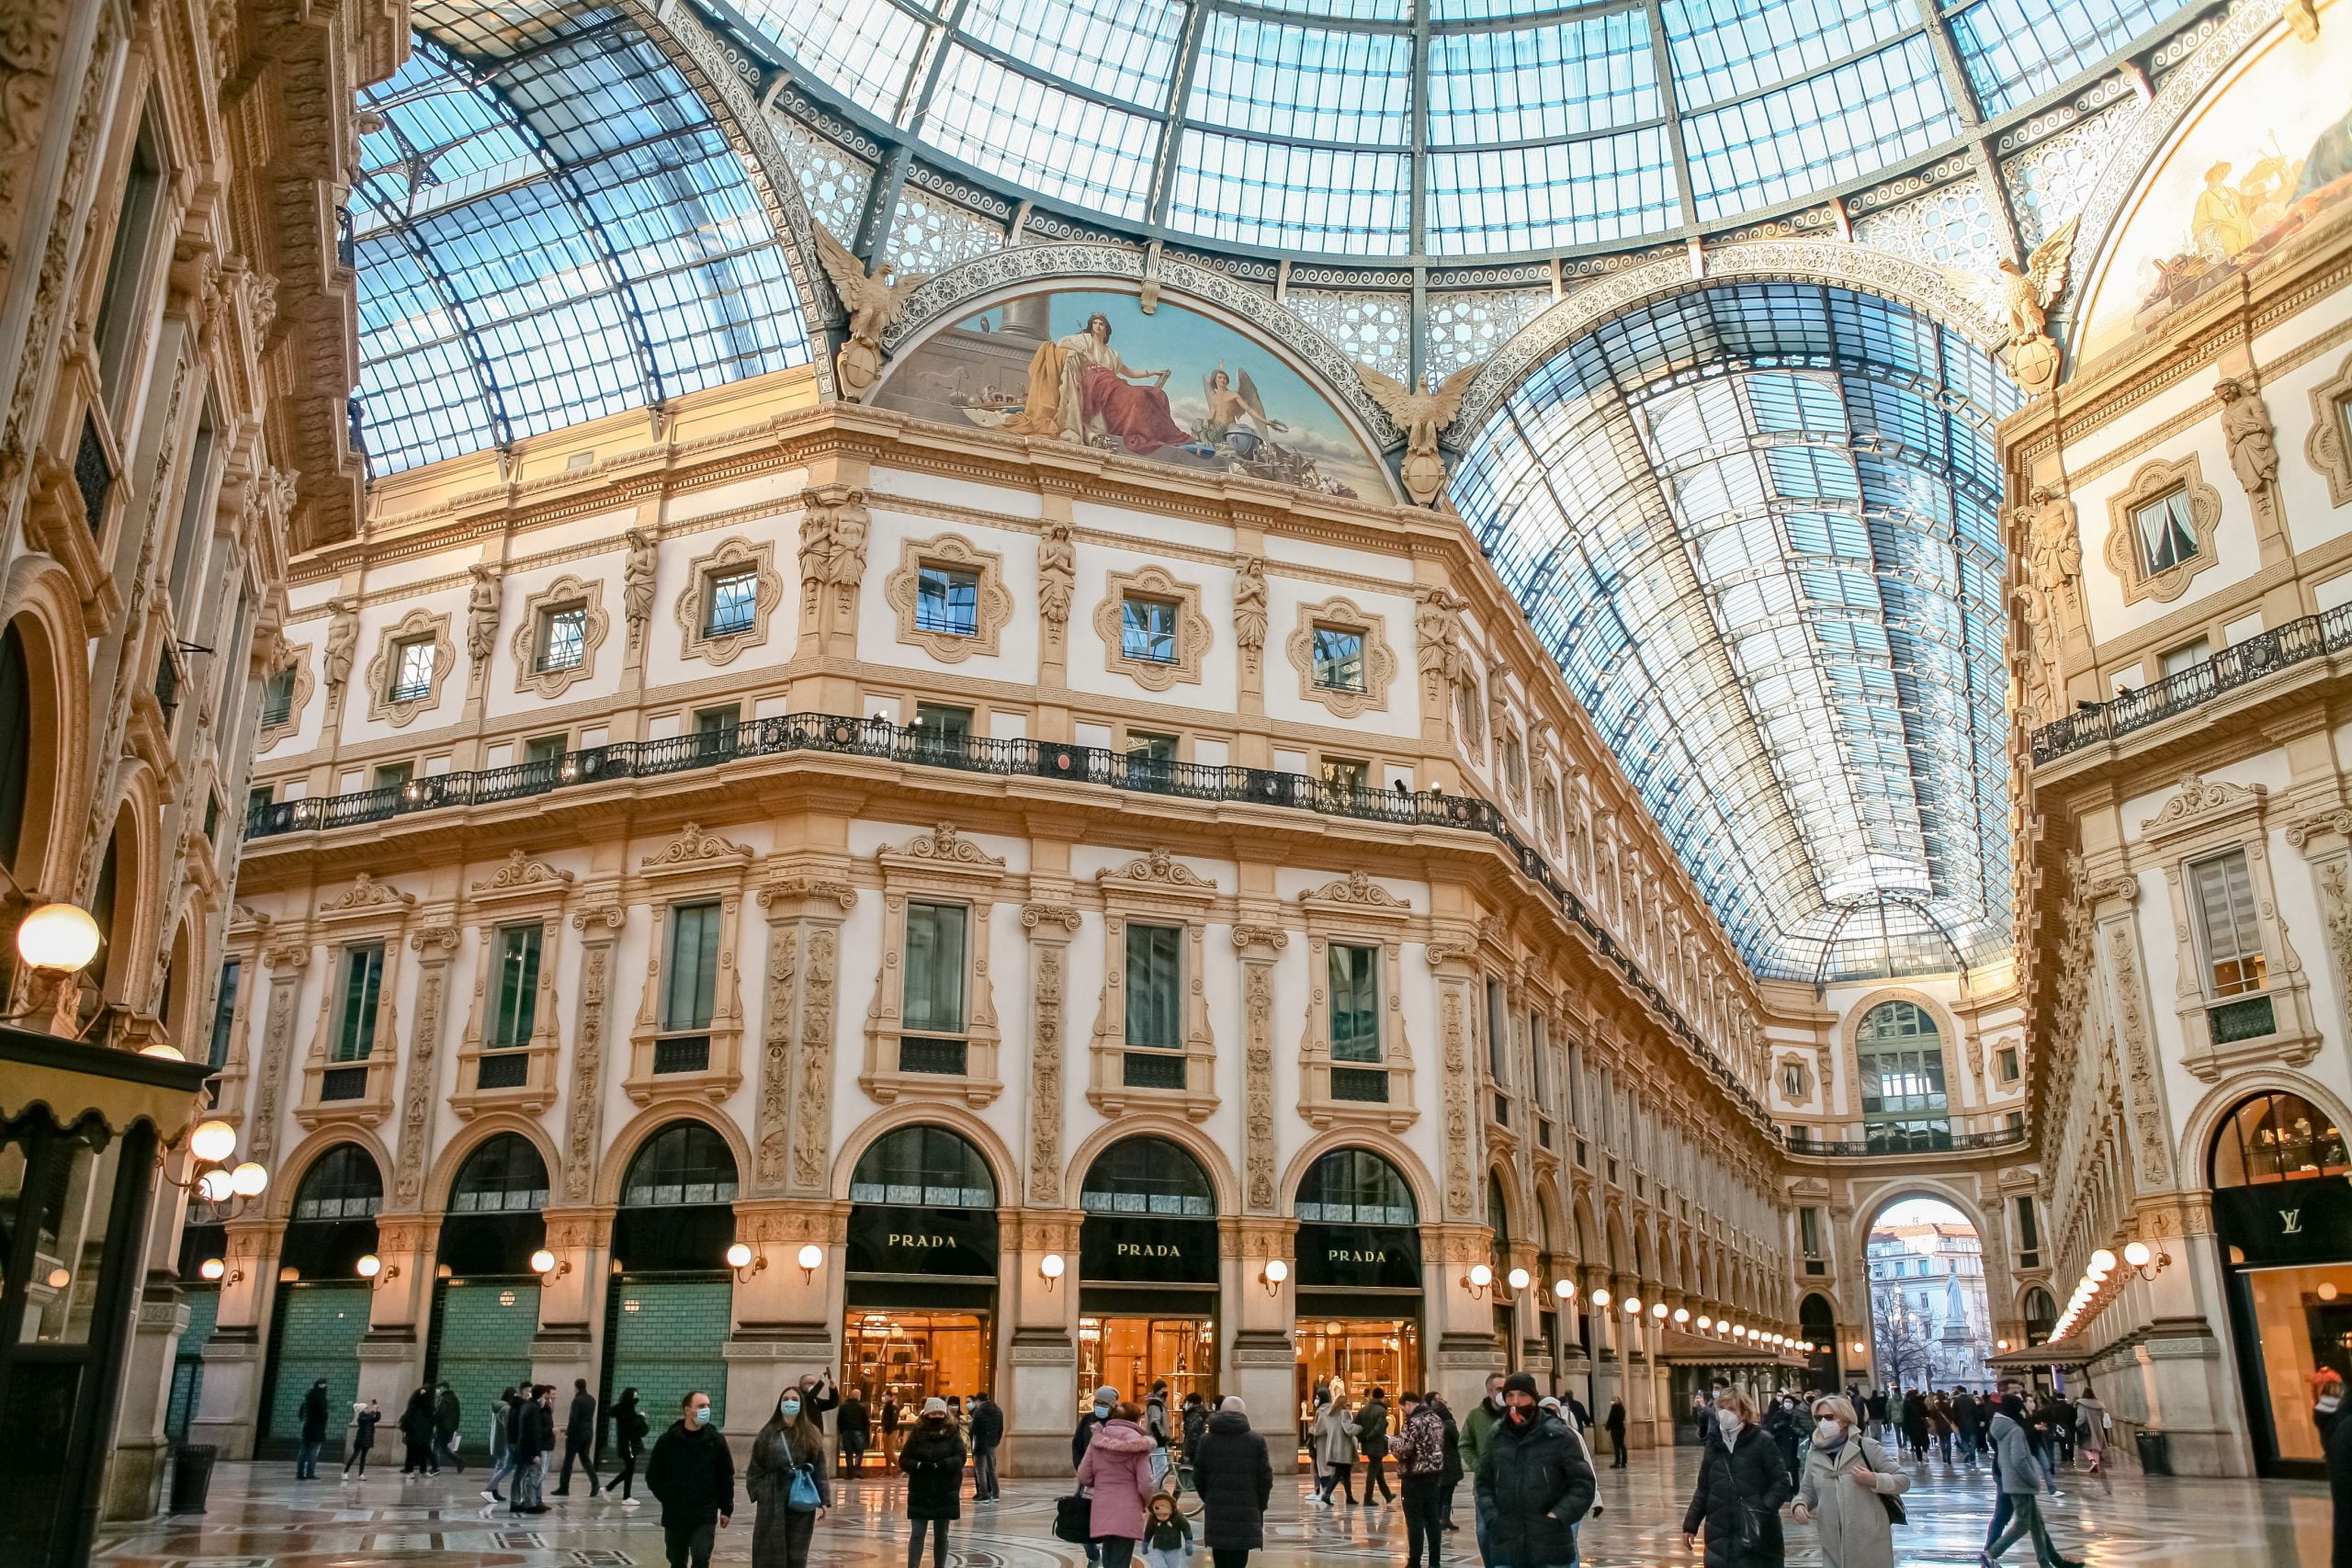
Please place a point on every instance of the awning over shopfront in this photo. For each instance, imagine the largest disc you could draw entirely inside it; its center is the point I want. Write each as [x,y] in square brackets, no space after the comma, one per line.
[1676,1347]
[2033,1358]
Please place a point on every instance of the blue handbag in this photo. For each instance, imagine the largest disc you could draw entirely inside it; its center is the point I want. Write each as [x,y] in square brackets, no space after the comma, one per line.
[802,1496]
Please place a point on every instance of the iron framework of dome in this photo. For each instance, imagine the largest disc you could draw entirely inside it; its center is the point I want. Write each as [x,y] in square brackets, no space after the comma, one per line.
[1434,129]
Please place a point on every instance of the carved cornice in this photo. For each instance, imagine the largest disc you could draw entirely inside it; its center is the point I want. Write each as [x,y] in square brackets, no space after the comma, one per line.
[801,887]
[1042,914]
[2198,802]
[367,893]
[519,871]
[695,847]
[1161,870]
[1246,937]
[944,844]
[1356,890]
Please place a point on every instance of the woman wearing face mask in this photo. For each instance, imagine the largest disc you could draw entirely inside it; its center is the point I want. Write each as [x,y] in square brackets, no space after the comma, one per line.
[1742,1483]
[1117,1476]
[790,1446]
[932,1457]
[1845,1476]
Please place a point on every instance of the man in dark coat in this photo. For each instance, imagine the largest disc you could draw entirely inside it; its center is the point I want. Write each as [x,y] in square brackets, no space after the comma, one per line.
[1372,1437]
[1745,1478]
[447,1417]
[1454,1472]
[693,1476]
[314,1432]
[988,1431]
[1534,1484]
[1235,1477]
[819,1393]
[529,1436]
[1614,1425]
[579,1438]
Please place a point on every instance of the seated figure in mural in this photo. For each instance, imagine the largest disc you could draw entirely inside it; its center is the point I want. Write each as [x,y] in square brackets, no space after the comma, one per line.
[1078,383]
[1237,417]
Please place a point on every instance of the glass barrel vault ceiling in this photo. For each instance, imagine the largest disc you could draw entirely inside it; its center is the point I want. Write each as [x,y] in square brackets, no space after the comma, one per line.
[1440,128]
[547,227]
[1757,525]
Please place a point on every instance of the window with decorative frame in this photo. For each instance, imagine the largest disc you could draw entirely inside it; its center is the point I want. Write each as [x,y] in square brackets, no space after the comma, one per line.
[1151,628]
[2161,529]
[564,637]
[1151,1044]
[348,1072]
[729,595]
[949,597]
[1355,1062]
[1342,657]
[414,656]
[508,1053]
[412,671]
[931,1028]
[688,1035]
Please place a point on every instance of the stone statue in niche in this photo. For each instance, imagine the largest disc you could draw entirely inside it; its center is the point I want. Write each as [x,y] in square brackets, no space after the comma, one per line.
[1250,607]
[481,613]
[343,640]
[2253,447]
[1056,574]
[637,582]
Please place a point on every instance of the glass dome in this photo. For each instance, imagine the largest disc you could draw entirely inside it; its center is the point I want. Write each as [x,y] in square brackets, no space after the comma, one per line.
[1436,129]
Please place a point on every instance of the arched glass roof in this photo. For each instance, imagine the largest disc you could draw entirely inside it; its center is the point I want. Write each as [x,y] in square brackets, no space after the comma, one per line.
[1436,128]
[548,227]
[1757,525]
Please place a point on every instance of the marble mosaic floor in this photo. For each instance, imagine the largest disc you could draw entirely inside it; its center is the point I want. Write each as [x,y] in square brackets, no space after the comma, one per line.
[260,1518]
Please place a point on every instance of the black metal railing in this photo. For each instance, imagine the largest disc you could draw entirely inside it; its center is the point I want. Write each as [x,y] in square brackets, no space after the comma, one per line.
[876,738]
[1960,1143]
[2241,664]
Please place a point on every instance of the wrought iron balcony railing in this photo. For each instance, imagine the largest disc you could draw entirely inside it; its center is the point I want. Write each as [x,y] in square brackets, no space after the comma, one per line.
[878,739]
[1882,1148]
[2241,664]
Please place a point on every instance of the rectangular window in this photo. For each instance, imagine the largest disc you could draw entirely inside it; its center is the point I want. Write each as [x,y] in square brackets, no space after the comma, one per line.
[1147,630]
[1154,992]
[224,1013]
[1809,1231]
[412,663]
[2028,1229]
[692,990]
[564,637]
[2167,531]
[939,724]
[714,727]
[2010,1068]
[1347,776]
[933,1002]
[212,817]
[1355,1003]
[1498,1034]
[122,306]
[1539,1058]
[393,775]
[187,549]
[518,987]
[2188,656]
[1339,659]
[363,980]
[948,599]
[2222,893]
[1143,748]
[543,748]
[277,697]
[258,799]
[731,601]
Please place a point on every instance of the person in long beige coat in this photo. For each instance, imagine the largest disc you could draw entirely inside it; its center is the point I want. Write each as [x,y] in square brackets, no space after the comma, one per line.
[1845,1476]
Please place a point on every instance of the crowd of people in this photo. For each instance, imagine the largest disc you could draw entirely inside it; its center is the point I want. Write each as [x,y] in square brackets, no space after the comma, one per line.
[1142,1473]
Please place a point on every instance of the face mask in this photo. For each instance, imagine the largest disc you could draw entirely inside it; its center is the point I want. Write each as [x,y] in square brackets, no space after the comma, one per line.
[1498,1400]
[2328,1402]
[702,1414]
[1827,1433]
[1729,1421]
[1103,1412]
[787,1407]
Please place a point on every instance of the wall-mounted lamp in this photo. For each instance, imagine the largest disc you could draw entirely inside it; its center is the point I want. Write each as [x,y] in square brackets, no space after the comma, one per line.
[287,1274]
[1517,1278]
[1566,1290]
[1600,1296]
[1051,1268]
[443,1271]
[546,1266]
[59,937]
[2000,1344]
[375,1272]
[1633,1306]
[743,1261]
[1681,1315]
[220,1273]
[811,1258]
[1478,1280]
[1658,1311]
[1273,1275]
[1859,1348]
[2147,1259]
[210,1146]
[1705,1321]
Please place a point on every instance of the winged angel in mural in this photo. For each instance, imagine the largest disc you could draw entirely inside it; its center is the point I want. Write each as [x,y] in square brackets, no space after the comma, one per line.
[1422,416]
[2023,296]
[872,303]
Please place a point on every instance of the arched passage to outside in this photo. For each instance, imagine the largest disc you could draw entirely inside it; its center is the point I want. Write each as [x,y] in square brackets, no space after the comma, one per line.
[1147,1268]
[1930,1324]
[321,1311]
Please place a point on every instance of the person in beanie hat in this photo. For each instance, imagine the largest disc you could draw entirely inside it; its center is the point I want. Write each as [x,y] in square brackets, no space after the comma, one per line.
[932,1457]
[1534,1484]
[1234,1474]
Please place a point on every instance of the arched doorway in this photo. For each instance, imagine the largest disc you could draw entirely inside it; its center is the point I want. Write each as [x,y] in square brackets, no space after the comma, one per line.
[1148,1272]
[671,1306]
[1899,1059]
[921,1286]
[1930,1324]
[1359,1296]
[321,1311]
[1818,1323]
[485,1298]
[2282,1216]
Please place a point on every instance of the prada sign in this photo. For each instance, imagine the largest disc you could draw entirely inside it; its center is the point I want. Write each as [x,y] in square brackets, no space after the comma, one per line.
[1147,1249]
[894,1239]
[2303,1222]
[1378,1256]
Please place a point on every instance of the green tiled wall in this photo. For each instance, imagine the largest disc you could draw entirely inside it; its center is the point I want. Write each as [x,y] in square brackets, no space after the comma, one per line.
[481,1344]
[668,1338]
[187,1366]
[319,1330]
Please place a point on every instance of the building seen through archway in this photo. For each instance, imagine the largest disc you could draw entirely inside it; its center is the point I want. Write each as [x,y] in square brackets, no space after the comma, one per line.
[1930,1323]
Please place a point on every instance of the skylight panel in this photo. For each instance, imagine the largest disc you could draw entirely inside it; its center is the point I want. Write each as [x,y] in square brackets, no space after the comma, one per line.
[1122,49]
[1579,193]
[1041,137]
[1270,194]
[1542,83]
[1309,83]
[1820,132]
[1727,49]
[1342,10]
[2014,50]
[865,48]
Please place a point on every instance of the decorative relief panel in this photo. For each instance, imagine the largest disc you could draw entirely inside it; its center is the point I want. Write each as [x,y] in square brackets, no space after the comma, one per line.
[933,234]
[2049,182]
[833,182]
[1464,326]
[1950,226]
[1374,329]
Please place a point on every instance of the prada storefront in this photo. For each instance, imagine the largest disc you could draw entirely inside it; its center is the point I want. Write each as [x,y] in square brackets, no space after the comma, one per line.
[1148,1272]
[2282,1216]
[1359,1276]
[919,1290]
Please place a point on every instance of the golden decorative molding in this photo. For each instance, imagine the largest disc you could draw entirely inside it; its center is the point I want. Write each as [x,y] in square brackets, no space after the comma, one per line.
[2122,552]
[1379,664]
[560,595]
[993,606]
[1192,636]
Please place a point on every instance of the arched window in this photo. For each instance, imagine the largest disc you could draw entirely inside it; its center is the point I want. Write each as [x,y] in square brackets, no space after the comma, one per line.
[2276,1137]
[1355,1187]
[1901,1059]
[685,1162]
[924,1165]
[342,1184]
[2040,1316]
[504,1174]
[1499,1222]
[1148,1176]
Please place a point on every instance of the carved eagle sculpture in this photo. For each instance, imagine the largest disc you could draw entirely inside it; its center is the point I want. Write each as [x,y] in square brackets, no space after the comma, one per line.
[2027,292]
[1422,416]
[872,303]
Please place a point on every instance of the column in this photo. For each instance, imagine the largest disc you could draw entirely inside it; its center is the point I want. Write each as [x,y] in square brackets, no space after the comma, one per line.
[1461,1327]
[787,1315]
[572,1297]
[1608,1366]
[392,1353]
[1261,1356]
[134,1478]
[229,1404]
[1037,1341]
[1531,1354]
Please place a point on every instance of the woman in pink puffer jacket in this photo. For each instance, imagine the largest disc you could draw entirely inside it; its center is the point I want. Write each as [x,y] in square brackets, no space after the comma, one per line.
[1117,1472]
